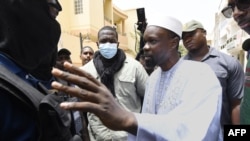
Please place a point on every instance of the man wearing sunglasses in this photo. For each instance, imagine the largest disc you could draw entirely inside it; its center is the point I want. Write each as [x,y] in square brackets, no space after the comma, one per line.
[240,11]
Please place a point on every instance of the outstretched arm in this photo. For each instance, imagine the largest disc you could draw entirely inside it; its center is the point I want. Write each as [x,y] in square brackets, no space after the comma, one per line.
[95,98]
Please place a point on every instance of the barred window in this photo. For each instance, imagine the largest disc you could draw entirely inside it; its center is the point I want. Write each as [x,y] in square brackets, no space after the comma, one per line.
[78,7]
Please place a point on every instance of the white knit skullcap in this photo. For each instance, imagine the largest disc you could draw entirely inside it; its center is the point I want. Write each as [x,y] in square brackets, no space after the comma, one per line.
[167,22]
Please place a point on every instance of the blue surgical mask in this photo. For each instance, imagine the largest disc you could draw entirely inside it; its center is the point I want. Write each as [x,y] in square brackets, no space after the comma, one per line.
[108,50]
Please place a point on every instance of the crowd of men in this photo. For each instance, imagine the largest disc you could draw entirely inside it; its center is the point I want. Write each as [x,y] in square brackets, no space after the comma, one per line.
[116,96]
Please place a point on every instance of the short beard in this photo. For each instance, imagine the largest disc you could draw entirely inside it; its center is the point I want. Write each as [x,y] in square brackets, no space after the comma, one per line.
[150,63]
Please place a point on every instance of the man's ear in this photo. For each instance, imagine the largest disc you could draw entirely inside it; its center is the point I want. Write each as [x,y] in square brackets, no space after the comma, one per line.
[175,41]
[118,44]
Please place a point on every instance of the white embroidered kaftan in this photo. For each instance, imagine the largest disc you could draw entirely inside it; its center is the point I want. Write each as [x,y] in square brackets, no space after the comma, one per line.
[182,104]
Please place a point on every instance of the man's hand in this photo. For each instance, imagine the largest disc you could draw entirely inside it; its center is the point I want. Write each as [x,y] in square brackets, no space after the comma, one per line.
[95,98]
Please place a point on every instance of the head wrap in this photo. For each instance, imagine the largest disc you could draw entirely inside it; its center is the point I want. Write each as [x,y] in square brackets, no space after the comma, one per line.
[29,35]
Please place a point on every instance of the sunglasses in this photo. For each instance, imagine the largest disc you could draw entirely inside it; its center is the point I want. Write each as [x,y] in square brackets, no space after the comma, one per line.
[240,4]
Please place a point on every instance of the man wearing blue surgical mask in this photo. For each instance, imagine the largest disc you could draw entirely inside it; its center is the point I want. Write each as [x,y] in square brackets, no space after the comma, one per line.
[124,76]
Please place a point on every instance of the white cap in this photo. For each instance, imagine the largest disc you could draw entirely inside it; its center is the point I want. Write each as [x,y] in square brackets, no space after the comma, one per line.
[167,22]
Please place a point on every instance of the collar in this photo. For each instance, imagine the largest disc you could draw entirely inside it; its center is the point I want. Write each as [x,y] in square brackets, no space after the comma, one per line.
[10,65]
[211,53]
[14,68]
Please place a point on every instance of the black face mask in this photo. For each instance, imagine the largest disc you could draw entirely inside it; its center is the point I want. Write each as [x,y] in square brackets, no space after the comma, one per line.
[29,35]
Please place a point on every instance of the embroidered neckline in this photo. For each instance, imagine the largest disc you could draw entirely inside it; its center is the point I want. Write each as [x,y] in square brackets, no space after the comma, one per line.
[163,98]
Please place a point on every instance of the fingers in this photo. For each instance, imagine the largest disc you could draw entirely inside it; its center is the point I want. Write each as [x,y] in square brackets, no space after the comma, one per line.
[81,81]
[84,95]
[76,70]
[107,117]
[82,106]
[98,103]
[88,87]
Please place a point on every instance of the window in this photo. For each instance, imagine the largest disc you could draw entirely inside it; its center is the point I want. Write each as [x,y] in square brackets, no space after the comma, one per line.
[78,7]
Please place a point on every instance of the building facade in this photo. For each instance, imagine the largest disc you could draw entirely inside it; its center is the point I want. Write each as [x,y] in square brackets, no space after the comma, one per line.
[80,21]
[228,37]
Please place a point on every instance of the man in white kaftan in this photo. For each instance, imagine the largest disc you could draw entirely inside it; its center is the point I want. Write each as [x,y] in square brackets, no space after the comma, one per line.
[187,114]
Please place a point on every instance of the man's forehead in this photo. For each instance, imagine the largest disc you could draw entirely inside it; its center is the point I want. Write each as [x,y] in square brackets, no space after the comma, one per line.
[155,30]
[107,34]
[87,50]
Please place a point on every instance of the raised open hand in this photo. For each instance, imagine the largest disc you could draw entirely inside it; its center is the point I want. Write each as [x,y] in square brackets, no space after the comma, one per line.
[95,98]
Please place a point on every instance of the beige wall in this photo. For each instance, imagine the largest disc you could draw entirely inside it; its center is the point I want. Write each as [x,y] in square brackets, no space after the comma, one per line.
[87,23]
[72,43]
[96,14]
[64,15]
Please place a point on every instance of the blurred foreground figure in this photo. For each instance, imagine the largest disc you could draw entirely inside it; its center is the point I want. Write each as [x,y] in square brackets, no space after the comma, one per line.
[240,11]
[28,49]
